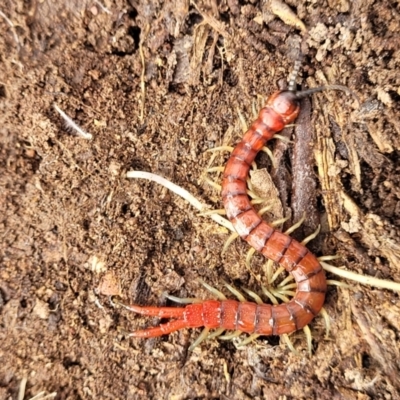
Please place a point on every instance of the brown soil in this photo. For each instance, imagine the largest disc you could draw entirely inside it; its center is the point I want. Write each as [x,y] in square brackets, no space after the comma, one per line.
[70,217]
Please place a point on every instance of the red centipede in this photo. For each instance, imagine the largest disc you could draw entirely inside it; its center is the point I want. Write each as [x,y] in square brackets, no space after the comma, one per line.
[282,108]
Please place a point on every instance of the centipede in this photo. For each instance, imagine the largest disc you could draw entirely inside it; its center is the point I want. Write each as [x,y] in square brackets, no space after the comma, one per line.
[281,109]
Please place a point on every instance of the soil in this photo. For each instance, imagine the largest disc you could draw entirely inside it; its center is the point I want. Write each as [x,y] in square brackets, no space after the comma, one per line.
[157,84]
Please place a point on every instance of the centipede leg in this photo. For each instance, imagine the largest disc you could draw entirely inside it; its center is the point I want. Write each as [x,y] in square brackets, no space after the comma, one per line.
[249,257]
[212,184]
[216,333]
[327,322]
[242,121]
[203,336]
[231,336]
[265,209]
[284,138]
[268,152]
[296,225]
[161,312]
[220,211]
[272,298]
[307,333]
[215,169]
[232,237]
[254,296]
[279,222]
[235,292]
[219,295]
[248,340]
[182,300]
[312,236]
[221,148]
[285,338]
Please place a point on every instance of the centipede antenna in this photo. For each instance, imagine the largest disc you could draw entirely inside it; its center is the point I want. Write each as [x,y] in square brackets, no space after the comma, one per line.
[293,76]
[308,92]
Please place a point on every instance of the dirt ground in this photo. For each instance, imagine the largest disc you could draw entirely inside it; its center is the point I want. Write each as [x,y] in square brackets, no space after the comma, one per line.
[157,84]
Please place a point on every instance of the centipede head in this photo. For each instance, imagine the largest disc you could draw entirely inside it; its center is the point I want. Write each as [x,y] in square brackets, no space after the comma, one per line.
[286,104]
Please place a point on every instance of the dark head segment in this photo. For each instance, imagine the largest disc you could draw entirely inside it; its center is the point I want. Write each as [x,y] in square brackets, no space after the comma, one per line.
[286,104]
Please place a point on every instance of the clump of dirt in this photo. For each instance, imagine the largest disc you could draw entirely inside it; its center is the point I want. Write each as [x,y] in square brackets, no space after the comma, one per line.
[157,84]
